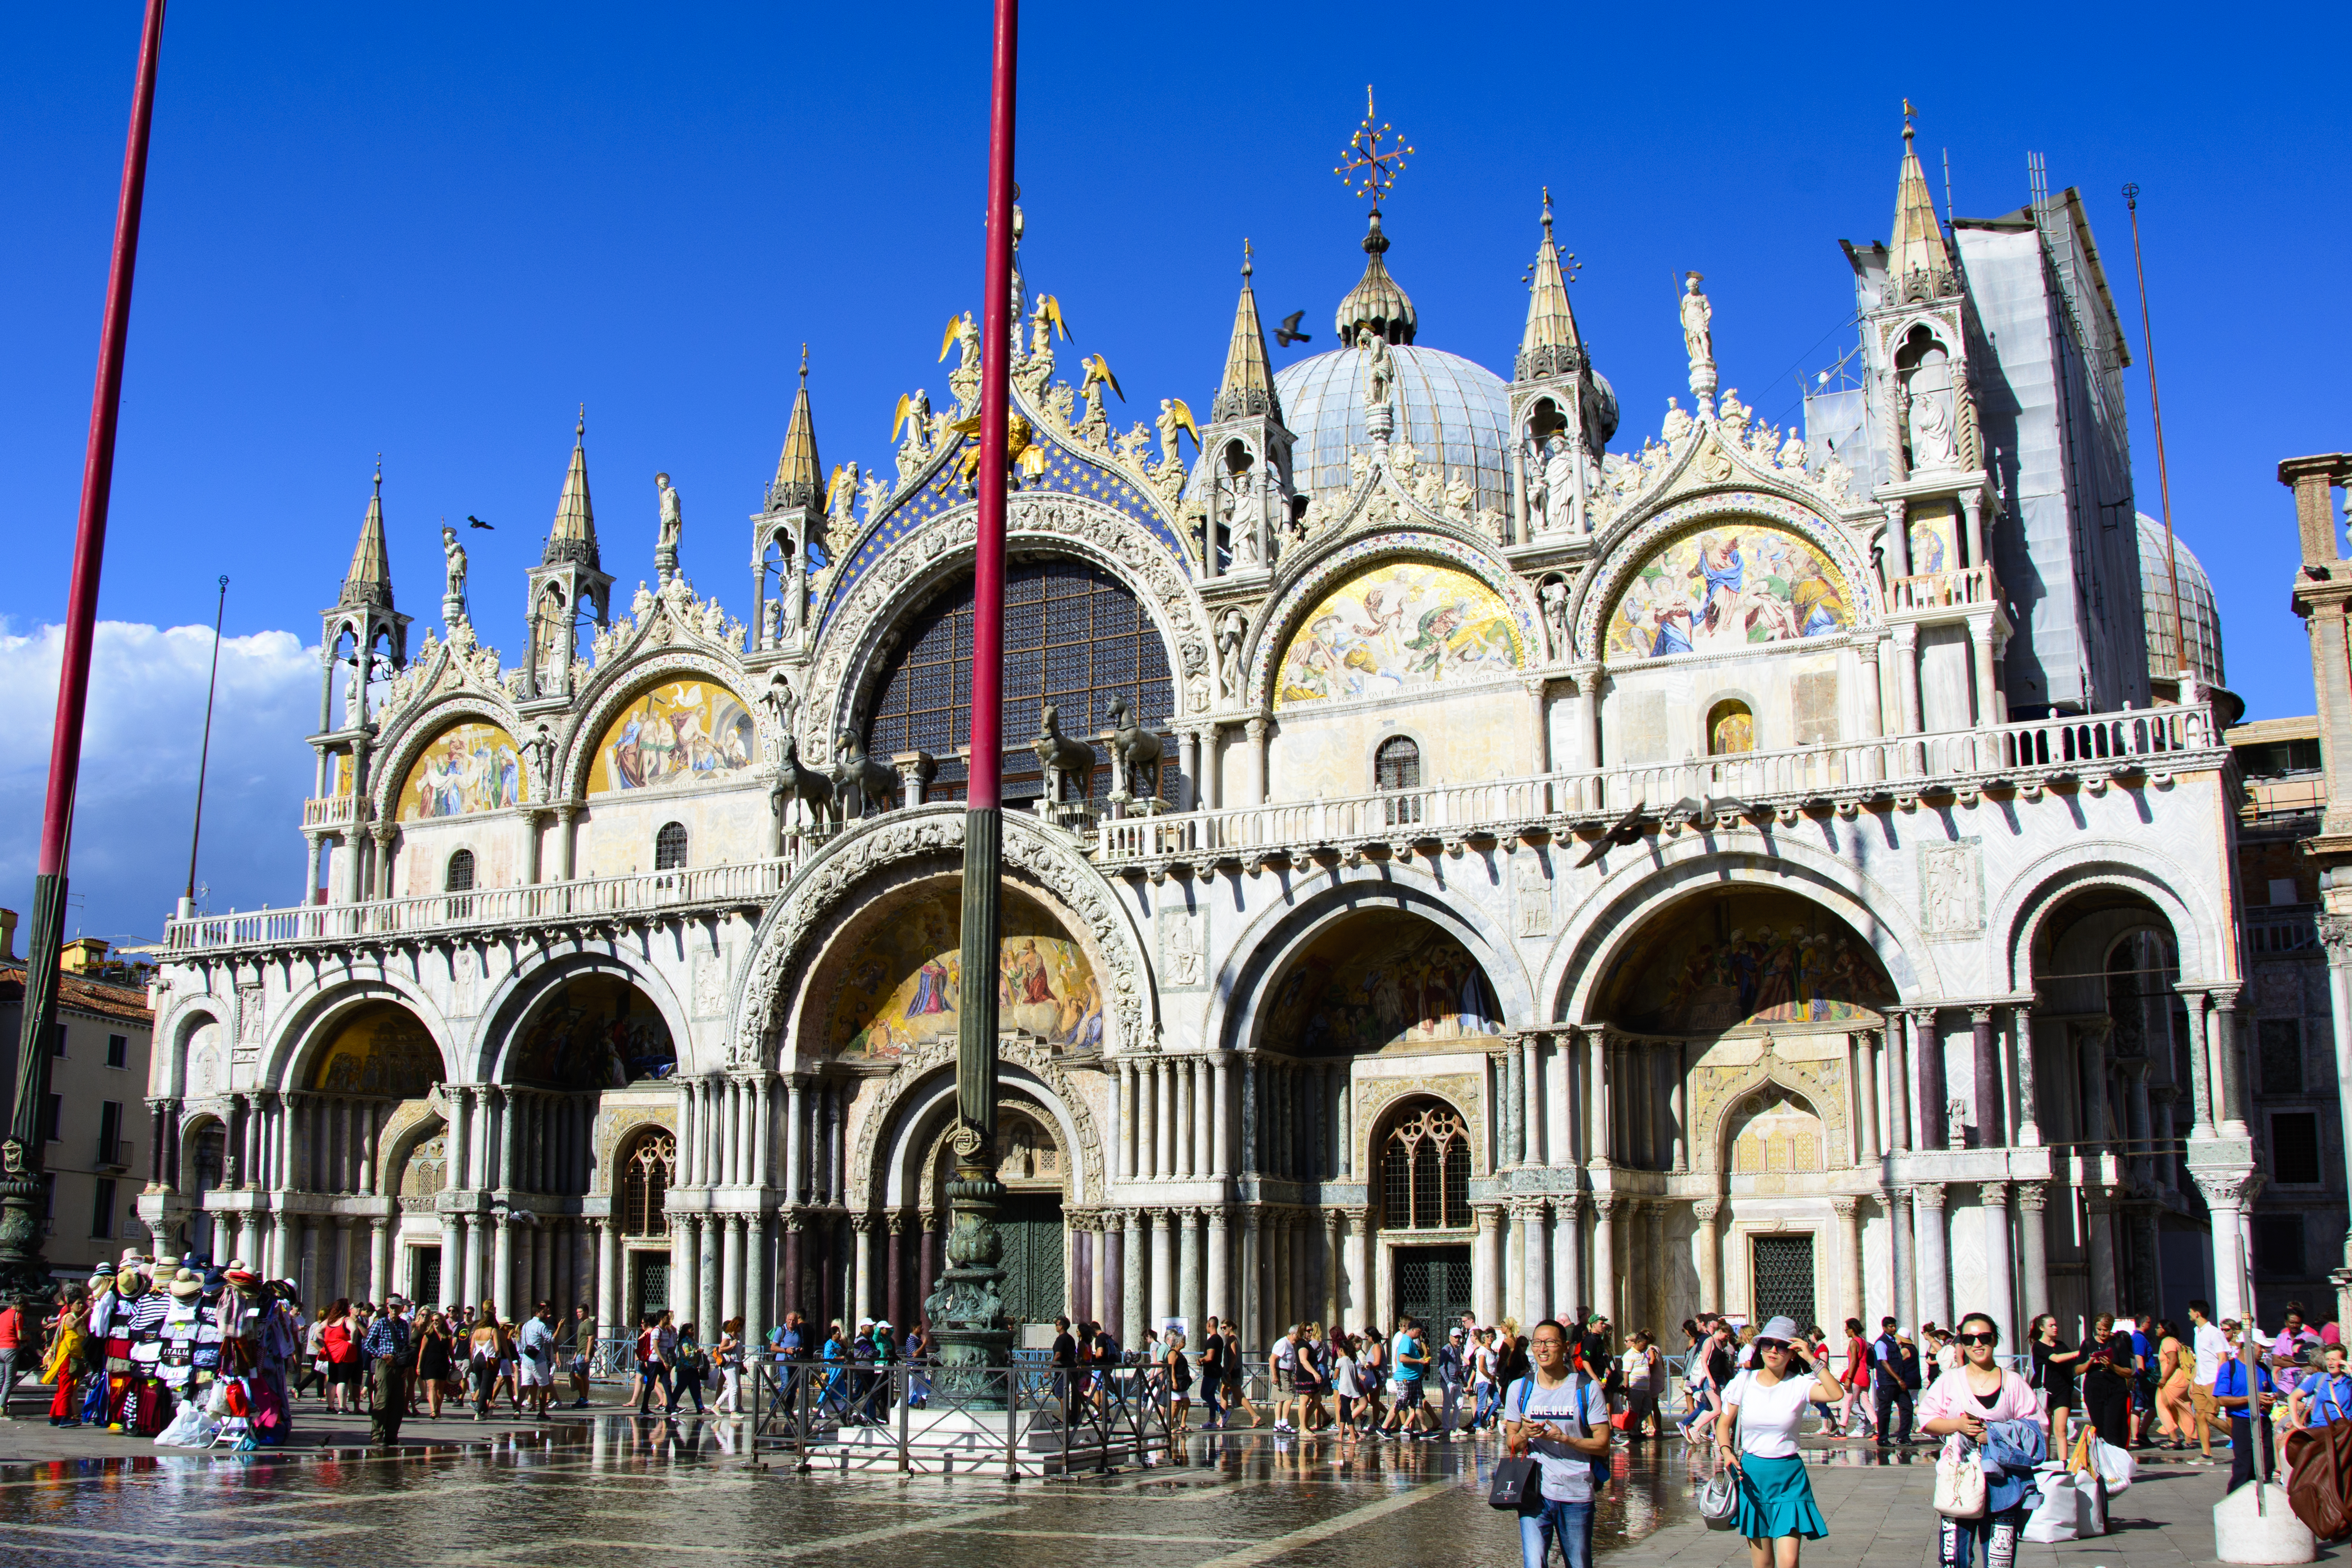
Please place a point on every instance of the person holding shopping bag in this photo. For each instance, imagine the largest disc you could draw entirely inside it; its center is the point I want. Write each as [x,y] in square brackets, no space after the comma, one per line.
[1980,1395]
[1762,1409]
[1558,1415]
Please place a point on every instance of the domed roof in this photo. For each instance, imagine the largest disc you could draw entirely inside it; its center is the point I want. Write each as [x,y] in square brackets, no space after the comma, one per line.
[2165,659]
[1453,413]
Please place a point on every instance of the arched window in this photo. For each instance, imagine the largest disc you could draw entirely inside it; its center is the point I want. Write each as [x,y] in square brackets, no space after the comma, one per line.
[646,1174]
[669,846]
[459,877]
[1396,769]
[1425,1171]
[1730,727]
[1074,637]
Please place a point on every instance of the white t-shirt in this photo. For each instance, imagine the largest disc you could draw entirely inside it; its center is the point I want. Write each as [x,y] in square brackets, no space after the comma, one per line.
[2212,1348]
[1637,1369]
[1343,1379]
[1566,1480]
[1769,1417]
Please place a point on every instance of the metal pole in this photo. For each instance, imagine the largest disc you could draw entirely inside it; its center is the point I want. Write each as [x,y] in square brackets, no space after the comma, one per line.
[2156,410]
[23,1270]
[205,752]
[967,1307]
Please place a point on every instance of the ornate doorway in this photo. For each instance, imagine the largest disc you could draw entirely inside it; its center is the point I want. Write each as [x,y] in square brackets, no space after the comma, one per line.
[1432,1283]
[1030,1225]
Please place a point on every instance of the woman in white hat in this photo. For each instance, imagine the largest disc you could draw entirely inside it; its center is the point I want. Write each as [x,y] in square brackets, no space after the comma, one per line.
[1762,1410]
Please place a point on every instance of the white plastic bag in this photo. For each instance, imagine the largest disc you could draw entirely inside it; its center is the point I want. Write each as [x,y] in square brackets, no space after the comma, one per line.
[2115,1466]
[2091,1501]
[2058,1516]
[1961,1487]
[189,1427]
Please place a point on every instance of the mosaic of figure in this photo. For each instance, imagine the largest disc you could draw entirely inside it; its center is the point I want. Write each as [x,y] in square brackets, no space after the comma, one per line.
[383,1049]
[1399,983]
[470,767]
[1400,625]
[597,1032]
[675,736]
[901,986]
[1725,588]
[1745,960]
[1931,544]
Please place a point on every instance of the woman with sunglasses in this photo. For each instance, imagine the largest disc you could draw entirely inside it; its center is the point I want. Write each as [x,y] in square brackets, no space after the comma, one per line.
[1967,1401]
[1764,1407]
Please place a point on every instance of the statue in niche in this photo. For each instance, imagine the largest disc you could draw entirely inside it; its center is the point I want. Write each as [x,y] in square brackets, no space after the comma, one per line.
[1563,485]
[1379,369]
[1555,615]
[1933,444]
[1699,324]
[771,623]
[673,520]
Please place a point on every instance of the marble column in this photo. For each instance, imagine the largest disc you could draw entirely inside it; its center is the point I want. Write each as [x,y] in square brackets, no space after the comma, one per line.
[501,1289]
[2229,1052]
[1899,1081]
[1865,1059]
[1655,1301]
[1133,1310]
[452,1267]
[1123,1147]
[1902,1262]
[2000,1265]
[2032,1241]
[1191,1283]
[1220,1122]
[2201,1071]
[731,1275]
[1993,1130]
[1164,1289]
[608,1277]
[1935,1128]
[1597,1144]
[796,1181]
[1605,1207]
[2099,1203]
[2028,1102]
[1934,1269]
[380,1280]
[1219,1284]
[1708,1212]
[1568,1252]
[1533,1276]
[1486,1262]
[1180,1125]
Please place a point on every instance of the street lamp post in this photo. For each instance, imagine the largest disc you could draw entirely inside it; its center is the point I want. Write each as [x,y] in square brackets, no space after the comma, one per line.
[966,1309]
[24,1271]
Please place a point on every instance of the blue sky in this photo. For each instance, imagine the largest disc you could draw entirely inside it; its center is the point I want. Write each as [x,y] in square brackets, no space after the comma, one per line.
[433,231]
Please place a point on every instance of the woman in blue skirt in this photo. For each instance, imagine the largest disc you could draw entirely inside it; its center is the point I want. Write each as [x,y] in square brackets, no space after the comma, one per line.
[1763,1407]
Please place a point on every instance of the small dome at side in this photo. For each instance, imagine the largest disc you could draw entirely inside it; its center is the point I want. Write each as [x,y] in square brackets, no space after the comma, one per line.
[2166,656]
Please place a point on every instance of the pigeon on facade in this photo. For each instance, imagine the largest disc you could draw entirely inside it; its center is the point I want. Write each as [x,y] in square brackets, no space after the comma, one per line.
[1288,333]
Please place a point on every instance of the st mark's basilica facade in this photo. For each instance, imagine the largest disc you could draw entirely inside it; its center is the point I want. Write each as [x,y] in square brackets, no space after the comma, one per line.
[1464,850]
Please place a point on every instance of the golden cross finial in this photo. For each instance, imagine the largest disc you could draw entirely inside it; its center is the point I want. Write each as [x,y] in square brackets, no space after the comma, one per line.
[1909,112]
[1368,168]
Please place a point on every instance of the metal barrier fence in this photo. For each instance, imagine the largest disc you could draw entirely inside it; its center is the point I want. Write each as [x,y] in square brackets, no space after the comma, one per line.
[920,1418]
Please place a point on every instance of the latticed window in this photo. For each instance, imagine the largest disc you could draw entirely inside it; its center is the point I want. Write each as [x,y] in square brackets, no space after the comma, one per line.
[1425,1171]
[646,1170]
[460,876]
[669,846]
[1074,637]
[1396,766]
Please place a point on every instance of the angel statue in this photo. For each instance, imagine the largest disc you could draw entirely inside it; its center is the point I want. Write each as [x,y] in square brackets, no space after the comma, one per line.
[1174,416]
[963,335]
[1044,324]
[1096,428]
[841,495]
[914,416]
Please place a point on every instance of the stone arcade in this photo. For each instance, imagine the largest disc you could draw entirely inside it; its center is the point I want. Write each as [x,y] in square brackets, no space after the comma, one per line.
[1567,876]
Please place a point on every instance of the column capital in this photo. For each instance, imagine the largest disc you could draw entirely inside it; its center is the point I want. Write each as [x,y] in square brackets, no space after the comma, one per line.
[1994,1194]
[1605,1205]
[1928,1194]
[2032,1197]
[1845,1205]
[2230,1188]
[1526,1209]
[863,1222]
[1567,1205]
[902,1222]
[1706,1210]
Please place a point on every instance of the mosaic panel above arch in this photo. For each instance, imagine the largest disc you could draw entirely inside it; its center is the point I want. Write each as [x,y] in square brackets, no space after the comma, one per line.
[677,735]
[380,1047]
[1329,577]
[902,985]
[1743,961]
[1397,626]
[1733,585]
[1377,980]
[468,767]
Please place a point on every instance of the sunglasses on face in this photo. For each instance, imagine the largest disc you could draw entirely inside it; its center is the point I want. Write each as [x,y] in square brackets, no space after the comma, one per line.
[1979,1339]
[1768,1346]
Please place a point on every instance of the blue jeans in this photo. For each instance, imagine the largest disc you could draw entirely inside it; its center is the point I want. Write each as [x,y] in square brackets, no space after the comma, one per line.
[1570,1523]
[1960,1541]
[1489,1400]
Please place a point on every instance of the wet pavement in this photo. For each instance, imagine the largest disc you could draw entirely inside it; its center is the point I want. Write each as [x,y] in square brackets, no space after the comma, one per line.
[590,1490]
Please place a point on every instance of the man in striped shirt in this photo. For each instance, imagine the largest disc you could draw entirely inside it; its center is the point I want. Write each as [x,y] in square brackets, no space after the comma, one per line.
[389,1357]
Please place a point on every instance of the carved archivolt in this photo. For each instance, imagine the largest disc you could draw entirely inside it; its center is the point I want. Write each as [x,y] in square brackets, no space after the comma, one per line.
[1714,1089]
[1462,1091]
[1272,632]
[411,1123]
[1599,590]
[932,1056]
[1029,850]
[1070,525]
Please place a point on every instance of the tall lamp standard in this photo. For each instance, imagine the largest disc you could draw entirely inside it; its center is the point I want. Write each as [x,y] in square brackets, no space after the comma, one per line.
[24,1271]
[966,1309]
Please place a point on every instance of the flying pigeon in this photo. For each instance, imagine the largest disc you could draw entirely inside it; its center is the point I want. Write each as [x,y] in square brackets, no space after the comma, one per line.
[1626,829]
[1288,333]
[473,522]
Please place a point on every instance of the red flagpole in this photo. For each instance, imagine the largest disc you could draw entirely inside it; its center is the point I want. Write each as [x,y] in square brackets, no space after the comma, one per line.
[986,790]
[20,1158]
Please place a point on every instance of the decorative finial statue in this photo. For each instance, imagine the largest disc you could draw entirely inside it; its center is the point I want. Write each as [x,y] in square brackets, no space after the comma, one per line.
[1368,167]
[1379,375]
[673,522]
[453,591]
[1698,339]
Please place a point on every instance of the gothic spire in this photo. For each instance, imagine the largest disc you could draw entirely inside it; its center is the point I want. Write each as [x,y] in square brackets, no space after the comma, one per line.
[573,537]
[1919,264]
[799,481]
[1551,345]
[369,581]
[1248,385]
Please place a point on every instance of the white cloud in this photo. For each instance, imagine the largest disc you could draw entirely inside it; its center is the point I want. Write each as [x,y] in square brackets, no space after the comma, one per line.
[146,718]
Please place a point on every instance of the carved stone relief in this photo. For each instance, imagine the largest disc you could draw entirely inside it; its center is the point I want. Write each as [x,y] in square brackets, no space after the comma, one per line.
[1951,889]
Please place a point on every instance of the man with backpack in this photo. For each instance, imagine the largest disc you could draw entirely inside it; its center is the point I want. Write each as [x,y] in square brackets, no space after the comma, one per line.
[1894,1377]
[1561,1416]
